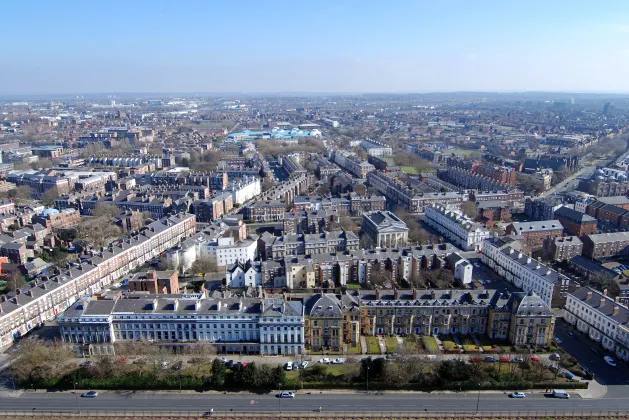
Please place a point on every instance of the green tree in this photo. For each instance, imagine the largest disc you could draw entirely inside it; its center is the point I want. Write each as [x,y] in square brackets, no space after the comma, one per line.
[219,371]
[278,375]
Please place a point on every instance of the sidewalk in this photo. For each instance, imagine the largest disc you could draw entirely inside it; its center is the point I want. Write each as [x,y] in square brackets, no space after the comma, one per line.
[595,390]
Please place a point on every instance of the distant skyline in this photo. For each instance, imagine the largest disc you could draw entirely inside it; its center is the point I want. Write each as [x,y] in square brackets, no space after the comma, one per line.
[71,47]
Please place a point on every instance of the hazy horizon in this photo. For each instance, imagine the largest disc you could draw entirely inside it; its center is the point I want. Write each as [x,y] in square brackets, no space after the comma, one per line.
[404,47]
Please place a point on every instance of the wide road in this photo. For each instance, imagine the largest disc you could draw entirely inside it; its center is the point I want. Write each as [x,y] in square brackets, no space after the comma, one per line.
[330,402]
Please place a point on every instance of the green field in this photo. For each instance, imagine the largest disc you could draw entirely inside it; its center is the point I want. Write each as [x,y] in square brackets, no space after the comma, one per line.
[430,344]
[409,170]
[391,344]
[372,345]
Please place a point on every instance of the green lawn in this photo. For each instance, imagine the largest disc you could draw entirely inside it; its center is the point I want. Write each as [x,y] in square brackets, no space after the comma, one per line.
[354,349]
[353,286]
[430,344]
[388,160]
[409,170]
[372,345]
[485,343]
[337,370]
[470,348]
[391,344]
[410,345]
[449,345]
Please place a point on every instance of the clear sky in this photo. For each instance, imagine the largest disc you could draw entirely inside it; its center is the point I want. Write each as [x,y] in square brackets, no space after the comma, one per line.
[313,46]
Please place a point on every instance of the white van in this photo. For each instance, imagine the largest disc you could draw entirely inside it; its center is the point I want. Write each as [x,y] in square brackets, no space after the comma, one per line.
[559,393]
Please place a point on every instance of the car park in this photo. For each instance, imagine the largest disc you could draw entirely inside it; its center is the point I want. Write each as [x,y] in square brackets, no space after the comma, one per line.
[610,361]
[286,394]
[517,360]
[89,394]
[505,359]
[517,394]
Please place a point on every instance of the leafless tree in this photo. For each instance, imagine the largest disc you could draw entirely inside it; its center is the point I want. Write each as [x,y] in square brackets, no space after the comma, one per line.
[203,265]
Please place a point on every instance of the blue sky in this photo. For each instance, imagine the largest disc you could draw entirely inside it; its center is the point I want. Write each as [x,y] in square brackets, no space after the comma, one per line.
[307,46]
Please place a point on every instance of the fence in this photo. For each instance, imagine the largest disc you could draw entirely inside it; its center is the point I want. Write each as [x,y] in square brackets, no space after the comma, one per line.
[320,415]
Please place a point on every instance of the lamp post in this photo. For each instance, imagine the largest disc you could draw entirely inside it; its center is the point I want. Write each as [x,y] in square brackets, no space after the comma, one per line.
[279,399]
[478,399]
[367,379]
[76,397]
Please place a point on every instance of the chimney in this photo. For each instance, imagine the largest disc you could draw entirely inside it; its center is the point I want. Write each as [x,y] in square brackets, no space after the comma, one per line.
[604,292]
[414,293]
[616,310]
[617,300]
[589,295]
[603,301]
[176,304]
[151,275]
[396,294]
[378,294]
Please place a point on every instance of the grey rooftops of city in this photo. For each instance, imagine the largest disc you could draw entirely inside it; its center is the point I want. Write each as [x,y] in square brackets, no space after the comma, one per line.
[603,304]
[537,226]
[608,237]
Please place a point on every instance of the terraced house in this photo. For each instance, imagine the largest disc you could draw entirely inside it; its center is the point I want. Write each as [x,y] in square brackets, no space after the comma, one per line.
[29,307]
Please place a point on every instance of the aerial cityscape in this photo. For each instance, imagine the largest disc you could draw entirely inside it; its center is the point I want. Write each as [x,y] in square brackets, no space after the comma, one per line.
[283,230]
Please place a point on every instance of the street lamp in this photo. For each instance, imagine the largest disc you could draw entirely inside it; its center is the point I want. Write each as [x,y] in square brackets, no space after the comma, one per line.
[478,399]
[367,379]
[76,397]
[279,398]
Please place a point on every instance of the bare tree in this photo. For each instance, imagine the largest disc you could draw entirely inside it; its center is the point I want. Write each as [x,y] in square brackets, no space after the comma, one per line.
[49,198]
[470,209]
[203,266]
[15,281]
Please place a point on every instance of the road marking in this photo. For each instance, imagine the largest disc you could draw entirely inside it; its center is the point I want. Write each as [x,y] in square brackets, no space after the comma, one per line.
[252,402]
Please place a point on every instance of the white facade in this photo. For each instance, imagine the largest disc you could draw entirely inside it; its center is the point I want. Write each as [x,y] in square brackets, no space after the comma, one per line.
[463,272]
[242,277]
[245,190]
[240,251]
[523,271]
[456,227]
[602,318]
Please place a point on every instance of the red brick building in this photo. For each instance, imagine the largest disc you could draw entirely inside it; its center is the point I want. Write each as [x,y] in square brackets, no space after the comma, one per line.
[534,233]
[576,223]
[494,210]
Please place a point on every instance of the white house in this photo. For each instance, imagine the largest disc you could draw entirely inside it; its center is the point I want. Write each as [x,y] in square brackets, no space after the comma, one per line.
[229,253]
[244,275]
[602,318]
[456,227]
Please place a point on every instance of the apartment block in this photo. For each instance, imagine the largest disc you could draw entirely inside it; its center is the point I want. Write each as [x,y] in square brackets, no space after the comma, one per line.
[456,227]
[534,233]
[603,319]
[525,272]
[605,245]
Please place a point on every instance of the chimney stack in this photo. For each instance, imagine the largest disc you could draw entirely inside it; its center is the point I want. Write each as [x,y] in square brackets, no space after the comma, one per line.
[414,293]
[589,295]
[616,310]
[378,294]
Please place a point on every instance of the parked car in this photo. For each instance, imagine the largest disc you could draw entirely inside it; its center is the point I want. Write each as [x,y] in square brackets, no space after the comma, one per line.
[558,340]
[610,361]
[304,364]
[517,394]
[288,366]
[338,361]
[517,360]
[535,359]
[177,365]
[490,359]
[89,394]
[86,364]
[230,364]
[476,360]
[505,359]
[286,394]
[555,356]
[325,361]
[567,374]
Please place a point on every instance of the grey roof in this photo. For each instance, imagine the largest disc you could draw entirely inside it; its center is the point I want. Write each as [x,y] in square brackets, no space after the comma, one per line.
[324,306]
[608,237]
[616,200]
[530,263]
[491,204]
[385,220]
[542,225]
[603,304]
[593,267]
[575,215]
[530,304]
